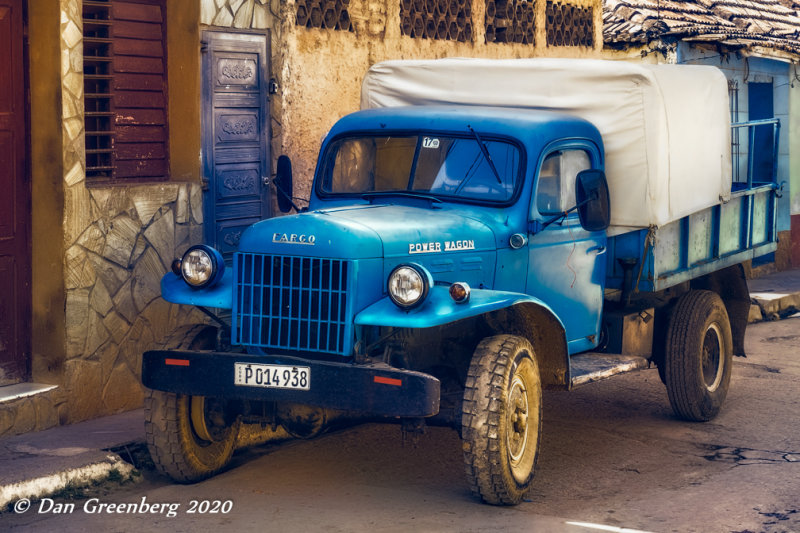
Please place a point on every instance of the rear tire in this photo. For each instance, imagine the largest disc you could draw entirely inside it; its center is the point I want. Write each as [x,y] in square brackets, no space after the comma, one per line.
[502,419]
[190,438]
[698,356]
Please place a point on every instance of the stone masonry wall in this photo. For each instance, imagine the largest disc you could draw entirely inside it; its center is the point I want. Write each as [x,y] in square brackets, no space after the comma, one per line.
[119,241]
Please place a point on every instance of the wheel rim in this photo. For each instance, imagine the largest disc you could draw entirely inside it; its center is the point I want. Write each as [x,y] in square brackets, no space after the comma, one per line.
[712,358]
[199,426]
[208,420]
[518,428]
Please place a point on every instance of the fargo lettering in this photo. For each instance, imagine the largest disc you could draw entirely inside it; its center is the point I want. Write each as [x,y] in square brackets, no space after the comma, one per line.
[293,238]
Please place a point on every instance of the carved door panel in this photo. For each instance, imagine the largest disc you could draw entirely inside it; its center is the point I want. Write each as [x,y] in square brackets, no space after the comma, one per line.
[14,201]
[235,135]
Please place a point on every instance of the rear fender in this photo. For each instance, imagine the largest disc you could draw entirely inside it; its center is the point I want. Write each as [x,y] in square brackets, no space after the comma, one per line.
[731,284]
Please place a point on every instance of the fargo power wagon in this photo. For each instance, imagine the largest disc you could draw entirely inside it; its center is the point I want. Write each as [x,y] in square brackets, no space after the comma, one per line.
[479,231]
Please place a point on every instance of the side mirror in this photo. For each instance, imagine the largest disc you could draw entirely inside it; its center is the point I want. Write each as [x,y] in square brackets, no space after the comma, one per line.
[283,184]
[591,193]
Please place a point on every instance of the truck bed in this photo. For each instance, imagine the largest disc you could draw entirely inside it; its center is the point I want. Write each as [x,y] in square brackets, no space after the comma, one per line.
[745,227]
[711,239]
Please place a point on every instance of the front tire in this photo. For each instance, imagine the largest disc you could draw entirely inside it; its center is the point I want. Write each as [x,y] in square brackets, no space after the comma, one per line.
[502,419]
[698,356]
[190,438]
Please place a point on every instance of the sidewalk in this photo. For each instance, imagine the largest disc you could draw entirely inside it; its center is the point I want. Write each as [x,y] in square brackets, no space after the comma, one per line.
[35,465]
[777,295]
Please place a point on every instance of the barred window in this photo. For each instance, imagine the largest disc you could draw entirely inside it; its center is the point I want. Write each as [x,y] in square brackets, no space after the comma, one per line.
[125,90]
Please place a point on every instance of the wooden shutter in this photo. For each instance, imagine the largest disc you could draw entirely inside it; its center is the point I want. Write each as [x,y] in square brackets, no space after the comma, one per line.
[139,70]
[99,112]
[135,95]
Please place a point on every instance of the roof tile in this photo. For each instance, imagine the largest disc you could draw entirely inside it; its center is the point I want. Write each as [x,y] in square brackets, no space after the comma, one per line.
[765,23]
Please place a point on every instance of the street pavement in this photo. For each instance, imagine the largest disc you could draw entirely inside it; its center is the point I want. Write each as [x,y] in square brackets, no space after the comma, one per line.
[36,465]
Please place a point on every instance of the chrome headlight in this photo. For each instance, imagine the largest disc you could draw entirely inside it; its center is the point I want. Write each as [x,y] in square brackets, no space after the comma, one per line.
[201,266]
[409,285]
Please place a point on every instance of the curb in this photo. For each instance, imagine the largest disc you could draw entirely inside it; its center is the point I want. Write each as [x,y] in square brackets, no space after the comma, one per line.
[39,487]
[768,306]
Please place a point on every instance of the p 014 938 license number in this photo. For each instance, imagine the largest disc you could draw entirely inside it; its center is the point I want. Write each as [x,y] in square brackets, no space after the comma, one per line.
[272,376]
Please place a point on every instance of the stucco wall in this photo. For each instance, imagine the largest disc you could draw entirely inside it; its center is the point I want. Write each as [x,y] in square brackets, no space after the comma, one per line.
[319,71]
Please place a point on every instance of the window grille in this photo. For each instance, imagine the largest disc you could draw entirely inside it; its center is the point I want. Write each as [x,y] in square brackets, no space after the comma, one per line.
[510,21]
[325,14]
[98,102]
[569,25]
[125,90]
[444,20]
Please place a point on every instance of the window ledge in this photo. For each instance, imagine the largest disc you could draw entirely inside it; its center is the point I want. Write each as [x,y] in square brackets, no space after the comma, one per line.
[9,393]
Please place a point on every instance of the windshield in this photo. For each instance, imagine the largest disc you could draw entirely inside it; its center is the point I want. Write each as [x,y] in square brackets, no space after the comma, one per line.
[439,165]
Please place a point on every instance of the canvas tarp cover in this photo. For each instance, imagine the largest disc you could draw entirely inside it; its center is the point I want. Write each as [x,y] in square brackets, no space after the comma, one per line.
[666,128]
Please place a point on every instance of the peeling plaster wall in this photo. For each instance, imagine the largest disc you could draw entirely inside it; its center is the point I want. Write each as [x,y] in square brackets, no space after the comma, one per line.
[794,161]
[319,71]
[323,70]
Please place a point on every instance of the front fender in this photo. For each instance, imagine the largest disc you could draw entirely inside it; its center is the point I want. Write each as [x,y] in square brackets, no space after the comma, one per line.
[177,291]
[439,309]
[506,312]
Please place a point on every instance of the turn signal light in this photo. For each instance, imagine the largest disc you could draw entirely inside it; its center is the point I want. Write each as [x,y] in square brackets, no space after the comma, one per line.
[459,292]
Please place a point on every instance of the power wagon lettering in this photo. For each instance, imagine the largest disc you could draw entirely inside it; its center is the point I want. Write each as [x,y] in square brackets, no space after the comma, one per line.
[434,247]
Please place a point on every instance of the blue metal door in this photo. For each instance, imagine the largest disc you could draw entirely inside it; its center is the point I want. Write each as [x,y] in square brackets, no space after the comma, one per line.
[760,106]
[567,264]
[236,135]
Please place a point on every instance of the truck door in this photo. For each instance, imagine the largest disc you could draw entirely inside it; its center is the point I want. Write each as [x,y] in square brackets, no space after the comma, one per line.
[567,264]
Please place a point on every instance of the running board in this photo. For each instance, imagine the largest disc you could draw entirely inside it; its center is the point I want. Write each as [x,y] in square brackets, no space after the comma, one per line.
[594,366]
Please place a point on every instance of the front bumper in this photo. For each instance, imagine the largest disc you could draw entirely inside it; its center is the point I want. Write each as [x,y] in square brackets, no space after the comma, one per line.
[370,389]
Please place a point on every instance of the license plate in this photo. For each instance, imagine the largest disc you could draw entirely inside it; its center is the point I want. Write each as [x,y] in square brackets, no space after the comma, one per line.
[272,376]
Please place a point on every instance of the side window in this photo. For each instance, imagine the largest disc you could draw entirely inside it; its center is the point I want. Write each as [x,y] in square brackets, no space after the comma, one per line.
[556,190]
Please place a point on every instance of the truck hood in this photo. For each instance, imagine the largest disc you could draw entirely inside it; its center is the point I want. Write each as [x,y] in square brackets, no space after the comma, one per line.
[370,231]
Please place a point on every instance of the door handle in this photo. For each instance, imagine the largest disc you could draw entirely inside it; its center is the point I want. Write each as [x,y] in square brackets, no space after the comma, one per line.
[600,250]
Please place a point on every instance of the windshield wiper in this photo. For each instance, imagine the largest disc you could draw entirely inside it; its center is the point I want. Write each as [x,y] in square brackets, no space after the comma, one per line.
[486,154]
[411,194]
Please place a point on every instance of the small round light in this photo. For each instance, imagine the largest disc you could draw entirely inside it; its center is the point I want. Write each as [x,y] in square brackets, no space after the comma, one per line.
[201,266]
[176,266]
[408,285]
[517,241]
[459,292]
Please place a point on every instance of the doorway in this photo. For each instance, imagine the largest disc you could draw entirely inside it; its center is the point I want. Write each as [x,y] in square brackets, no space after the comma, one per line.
[236,163]
[15,201]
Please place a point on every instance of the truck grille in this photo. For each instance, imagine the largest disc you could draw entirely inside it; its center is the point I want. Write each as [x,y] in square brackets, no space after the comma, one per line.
[292,303]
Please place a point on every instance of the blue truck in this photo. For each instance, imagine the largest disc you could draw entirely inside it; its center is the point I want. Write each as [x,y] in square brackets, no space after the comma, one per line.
[452,262]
